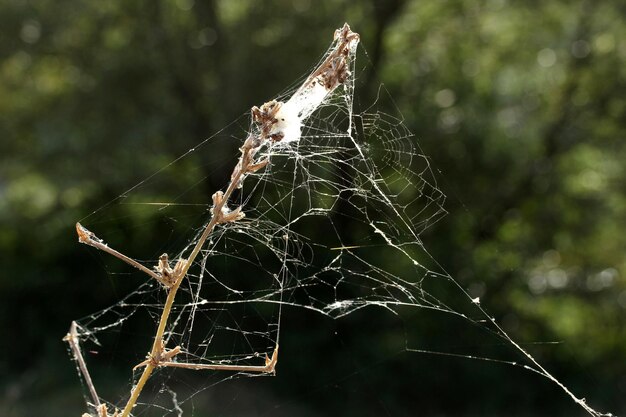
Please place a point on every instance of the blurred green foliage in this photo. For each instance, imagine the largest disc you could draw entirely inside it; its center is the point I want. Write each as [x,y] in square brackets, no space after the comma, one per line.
[520,106]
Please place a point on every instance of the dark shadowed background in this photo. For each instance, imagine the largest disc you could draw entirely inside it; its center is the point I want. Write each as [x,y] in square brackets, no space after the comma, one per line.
[519,105]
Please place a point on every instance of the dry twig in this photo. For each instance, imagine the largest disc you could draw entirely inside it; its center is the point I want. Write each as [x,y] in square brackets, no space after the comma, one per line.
[72,339]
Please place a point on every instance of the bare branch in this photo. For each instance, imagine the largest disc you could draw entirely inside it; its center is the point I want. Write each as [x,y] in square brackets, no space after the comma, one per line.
[72,339]
[268,368]
[89,238]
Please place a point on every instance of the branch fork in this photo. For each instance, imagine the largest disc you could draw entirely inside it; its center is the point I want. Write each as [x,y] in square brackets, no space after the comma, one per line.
[159,357]
[222,213]
[168,274]
[162,272]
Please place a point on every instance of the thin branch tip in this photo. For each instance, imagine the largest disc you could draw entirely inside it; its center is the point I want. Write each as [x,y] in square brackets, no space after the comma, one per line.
[72,334]
[87,237]
[72,339]
[84,235]
[346,34]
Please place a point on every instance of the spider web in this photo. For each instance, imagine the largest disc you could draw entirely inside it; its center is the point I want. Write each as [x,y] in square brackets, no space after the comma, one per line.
[332,225]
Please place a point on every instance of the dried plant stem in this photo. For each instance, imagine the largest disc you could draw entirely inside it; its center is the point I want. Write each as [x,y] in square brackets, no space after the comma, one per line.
[72,339]
[329,74]
[268,368]
[89,238]
[240,170]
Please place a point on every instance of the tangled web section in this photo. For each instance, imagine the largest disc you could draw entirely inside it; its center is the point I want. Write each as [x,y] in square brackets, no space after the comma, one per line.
[331,223]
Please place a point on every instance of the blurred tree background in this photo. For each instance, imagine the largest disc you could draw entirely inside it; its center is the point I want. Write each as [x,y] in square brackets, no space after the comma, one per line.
[519,105]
